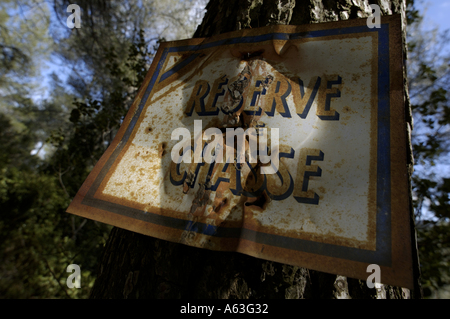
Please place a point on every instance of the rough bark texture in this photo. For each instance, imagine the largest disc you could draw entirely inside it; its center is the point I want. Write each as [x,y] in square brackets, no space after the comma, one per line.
[137,266]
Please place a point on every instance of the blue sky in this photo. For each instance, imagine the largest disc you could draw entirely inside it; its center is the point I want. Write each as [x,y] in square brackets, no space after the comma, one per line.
[437,13]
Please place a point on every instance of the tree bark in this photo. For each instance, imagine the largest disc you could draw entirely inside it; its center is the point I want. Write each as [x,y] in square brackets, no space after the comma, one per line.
[137,266]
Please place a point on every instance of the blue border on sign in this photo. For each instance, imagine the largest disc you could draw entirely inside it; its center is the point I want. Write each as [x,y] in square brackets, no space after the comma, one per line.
[382,254]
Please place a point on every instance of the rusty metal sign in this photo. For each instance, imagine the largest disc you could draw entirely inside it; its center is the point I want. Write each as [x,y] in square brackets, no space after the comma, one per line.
[286,143]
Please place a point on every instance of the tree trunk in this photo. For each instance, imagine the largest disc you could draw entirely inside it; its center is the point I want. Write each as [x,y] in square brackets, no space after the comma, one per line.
[137,266]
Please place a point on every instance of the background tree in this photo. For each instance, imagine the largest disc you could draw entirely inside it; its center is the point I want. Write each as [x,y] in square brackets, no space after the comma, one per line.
[29,201]
[152,268]
[51,139]
[429,85]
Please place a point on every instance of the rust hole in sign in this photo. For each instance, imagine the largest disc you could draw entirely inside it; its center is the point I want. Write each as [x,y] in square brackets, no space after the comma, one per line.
[162,149]
[249,55]
[220,205]
[261,201]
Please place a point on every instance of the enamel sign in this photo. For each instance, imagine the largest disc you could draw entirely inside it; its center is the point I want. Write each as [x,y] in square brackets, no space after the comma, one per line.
[287,143]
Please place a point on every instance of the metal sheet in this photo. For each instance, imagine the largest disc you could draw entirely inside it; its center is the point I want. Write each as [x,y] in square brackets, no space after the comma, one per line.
[339,198]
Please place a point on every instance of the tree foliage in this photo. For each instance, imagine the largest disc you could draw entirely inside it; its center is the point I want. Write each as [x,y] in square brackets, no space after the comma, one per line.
[50,143]
[429,87]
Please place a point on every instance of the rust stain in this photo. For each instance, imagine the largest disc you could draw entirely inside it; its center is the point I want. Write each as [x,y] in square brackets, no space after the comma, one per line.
[162,149]
[149,129]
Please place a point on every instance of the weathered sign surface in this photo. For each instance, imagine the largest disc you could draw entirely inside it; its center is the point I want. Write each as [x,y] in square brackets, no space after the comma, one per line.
[328,190]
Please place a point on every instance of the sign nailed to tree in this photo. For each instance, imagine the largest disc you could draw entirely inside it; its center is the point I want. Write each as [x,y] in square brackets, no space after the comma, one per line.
[286,143]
